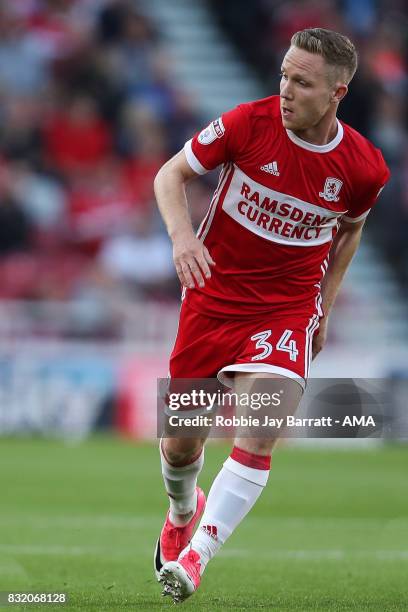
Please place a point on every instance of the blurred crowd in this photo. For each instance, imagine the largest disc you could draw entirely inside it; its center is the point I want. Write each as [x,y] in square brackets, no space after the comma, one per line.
[377,103]
[88,113]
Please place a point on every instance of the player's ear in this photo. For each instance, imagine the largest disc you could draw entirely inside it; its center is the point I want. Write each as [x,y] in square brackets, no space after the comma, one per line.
[340,90]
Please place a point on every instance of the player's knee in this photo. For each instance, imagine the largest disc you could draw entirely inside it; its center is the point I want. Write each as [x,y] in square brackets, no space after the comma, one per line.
[179,452]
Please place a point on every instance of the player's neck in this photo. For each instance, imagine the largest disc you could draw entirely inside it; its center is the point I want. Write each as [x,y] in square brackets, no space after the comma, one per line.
[320,134]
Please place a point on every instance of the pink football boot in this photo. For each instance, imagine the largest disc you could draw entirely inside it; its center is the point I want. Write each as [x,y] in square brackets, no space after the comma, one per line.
[174,539]
[181,578]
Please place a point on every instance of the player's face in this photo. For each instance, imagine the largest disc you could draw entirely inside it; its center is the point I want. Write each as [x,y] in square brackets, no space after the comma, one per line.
[306,89]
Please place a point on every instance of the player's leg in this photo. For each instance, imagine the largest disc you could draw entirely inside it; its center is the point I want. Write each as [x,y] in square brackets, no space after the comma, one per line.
[182,460]
[181,457]
[233,493]
[277,347]
[245,472]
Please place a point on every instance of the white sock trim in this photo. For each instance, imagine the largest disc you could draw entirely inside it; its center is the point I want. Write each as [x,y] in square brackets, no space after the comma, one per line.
[259,477]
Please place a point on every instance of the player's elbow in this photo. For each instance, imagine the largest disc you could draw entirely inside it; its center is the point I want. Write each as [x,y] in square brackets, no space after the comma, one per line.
[168,176]
[163,180]
[176,171]
[158,179]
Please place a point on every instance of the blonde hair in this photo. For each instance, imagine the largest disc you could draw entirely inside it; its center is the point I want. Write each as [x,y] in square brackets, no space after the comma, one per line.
[335,48]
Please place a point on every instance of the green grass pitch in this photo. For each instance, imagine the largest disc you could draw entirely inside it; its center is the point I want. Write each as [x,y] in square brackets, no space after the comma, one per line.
[330,531]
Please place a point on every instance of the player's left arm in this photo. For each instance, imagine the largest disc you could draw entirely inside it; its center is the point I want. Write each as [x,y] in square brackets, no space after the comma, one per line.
[342,250]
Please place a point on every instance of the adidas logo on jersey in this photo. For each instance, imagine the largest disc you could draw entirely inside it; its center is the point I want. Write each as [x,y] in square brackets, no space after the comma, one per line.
[271,168]
[210,530]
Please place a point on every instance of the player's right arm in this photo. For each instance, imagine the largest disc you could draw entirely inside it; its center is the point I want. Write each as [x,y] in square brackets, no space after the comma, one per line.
[221,141]
[191,257]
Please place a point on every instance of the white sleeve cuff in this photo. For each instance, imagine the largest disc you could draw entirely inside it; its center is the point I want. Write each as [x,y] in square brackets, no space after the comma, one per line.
[192,160]
[356,219]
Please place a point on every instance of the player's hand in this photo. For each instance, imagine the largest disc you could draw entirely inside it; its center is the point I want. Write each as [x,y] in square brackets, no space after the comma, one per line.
[319,339]
[192,260]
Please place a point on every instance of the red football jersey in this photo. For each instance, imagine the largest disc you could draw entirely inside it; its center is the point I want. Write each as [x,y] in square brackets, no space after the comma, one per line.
[276,209]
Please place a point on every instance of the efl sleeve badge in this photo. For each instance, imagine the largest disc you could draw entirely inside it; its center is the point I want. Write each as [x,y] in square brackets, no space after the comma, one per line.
[212,132]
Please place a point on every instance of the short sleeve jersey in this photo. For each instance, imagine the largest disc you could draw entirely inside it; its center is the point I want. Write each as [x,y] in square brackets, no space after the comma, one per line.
[276,209]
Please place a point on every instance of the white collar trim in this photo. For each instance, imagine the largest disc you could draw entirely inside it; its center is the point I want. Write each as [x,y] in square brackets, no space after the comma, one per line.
[318,148]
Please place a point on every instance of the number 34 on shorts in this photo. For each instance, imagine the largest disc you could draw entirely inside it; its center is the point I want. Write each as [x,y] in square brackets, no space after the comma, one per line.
[266,347]
[284,344]
[206,347]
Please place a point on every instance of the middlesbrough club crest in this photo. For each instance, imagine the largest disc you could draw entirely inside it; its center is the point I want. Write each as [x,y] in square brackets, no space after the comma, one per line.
[331,189]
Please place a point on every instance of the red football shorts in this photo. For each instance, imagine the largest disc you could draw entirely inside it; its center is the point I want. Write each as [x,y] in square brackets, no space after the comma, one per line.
[209,347]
